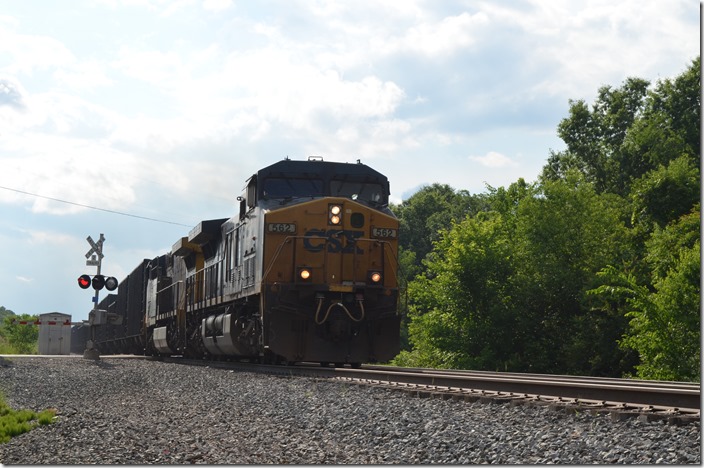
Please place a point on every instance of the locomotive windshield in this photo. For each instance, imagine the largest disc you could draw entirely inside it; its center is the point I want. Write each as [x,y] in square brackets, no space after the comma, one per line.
[280,187]
[293,181]
[275,187]
[364,191]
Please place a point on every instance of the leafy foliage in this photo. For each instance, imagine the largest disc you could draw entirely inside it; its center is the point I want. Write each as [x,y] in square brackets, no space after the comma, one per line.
[21,339]
[664,323]
[630,131]
[488,299]
[594,269]
[429,212]
[665,193]
[453,305]
[5,313]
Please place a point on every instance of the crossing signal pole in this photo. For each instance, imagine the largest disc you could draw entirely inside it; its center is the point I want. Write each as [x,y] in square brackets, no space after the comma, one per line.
[96,250]
[96,316]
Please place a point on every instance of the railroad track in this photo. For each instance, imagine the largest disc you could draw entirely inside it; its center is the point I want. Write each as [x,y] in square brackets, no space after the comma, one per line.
[674,402]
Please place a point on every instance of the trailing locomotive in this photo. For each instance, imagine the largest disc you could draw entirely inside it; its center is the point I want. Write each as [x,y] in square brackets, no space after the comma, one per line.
[306,271]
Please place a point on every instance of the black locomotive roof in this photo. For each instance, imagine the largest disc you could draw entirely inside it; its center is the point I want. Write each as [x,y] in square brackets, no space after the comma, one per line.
[325,170]
[290,181]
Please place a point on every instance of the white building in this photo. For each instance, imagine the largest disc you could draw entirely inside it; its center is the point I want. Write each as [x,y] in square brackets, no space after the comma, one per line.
[54,333]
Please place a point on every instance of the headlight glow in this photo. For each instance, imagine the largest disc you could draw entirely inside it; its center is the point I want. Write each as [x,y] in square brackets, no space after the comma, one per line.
[334,214]
[304,274]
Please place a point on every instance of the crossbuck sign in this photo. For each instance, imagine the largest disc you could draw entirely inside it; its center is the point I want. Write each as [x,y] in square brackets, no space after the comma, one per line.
[95,254]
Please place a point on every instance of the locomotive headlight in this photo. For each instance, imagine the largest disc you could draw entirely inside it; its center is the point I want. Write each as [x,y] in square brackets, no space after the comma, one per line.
[335,214]
[304,274]
[374,277]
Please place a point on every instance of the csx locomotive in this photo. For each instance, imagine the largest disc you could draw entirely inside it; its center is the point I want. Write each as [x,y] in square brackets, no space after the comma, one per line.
[306,271]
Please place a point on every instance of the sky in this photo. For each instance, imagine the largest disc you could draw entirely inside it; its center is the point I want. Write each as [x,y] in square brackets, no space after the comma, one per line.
[156,112]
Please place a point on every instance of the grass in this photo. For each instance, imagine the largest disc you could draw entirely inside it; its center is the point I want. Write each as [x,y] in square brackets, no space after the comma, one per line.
[16,422]
[7,348]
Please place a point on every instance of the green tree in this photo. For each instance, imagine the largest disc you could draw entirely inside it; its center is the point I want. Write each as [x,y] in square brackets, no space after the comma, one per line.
[5,313]
[594,137]
[505,290]
[429,212]
[666,193]
[423,217]
[630,131]
[501,280]
[563,237]
[455,317]
[675,105]
[665,321]
[22,338]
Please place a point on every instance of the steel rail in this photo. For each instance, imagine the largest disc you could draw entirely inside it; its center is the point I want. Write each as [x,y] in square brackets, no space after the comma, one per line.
[588,380]
[654,393]
[681,396]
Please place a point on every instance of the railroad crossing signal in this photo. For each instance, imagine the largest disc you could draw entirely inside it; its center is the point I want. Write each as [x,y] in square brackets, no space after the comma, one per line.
[98,282]
[95,258]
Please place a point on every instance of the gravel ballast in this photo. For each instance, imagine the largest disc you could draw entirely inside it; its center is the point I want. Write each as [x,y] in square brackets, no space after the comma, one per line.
[133,411]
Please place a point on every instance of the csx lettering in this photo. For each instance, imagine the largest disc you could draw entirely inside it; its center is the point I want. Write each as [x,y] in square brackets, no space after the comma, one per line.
[316,239]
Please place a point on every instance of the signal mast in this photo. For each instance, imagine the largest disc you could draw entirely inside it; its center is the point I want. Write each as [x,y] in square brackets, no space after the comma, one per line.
[97,316]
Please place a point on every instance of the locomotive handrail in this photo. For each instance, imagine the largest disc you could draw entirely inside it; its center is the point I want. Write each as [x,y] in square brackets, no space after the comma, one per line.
[176,305]
[286,240]
[169,286]
[161,291]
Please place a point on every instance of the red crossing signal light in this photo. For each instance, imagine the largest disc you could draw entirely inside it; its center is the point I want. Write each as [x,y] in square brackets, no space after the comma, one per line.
[84,281]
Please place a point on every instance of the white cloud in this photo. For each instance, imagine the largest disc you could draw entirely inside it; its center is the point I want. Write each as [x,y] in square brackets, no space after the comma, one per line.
[84,75]
[589,44]
[494,160]
[54,238]
[216,5]
[433,38]
[31,53]
[76,171]
[151,66]
[271,85]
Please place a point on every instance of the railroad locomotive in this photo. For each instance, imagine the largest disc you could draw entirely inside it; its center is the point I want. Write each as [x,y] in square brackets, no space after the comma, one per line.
[306,271]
